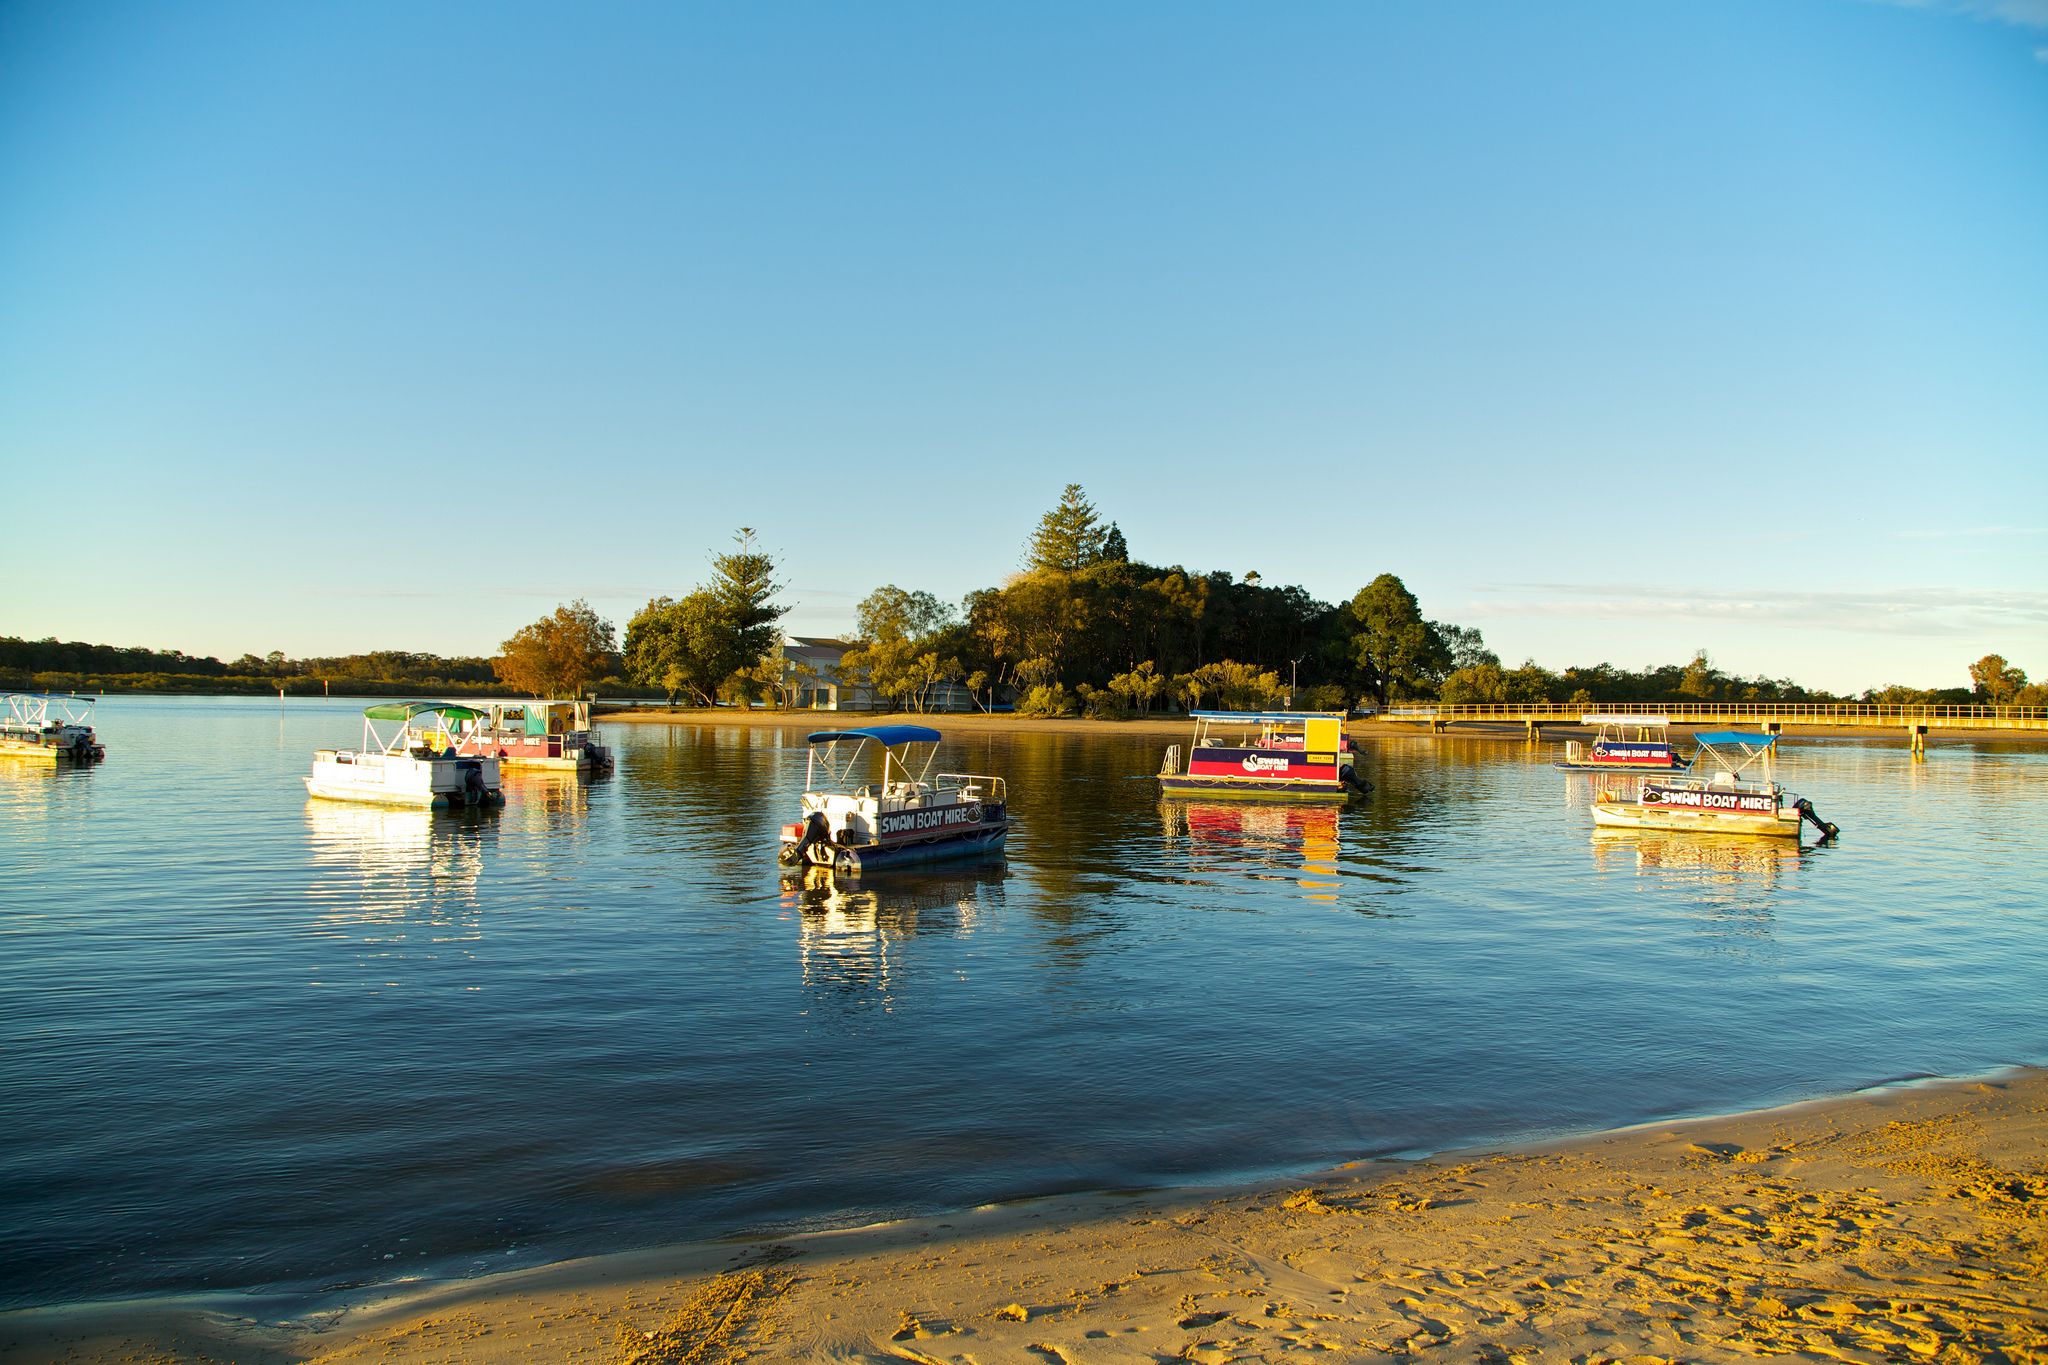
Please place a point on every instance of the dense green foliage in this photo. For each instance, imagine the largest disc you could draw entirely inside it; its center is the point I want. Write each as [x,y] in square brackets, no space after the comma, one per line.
[46,665]
[560,654]
[1083,629]
[713,642]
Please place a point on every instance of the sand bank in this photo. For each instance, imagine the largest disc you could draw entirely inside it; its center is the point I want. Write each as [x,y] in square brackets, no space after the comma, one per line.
[1907,1224]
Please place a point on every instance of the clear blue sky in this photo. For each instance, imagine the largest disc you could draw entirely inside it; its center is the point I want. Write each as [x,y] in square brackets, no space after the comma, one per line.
[1617,330]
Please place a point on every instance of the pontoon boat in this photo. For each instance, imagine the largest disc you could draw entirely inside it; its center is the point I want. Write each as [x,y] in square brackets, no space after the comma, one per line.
[1728,790]
[534,734]
[1636,744]
[416,765]
[42,727]
[1271,755]
[912,815]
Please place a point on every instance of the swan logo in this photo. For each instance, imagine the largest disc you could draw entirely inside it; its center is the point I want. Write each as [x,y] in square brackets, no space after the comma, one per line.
[1260,763]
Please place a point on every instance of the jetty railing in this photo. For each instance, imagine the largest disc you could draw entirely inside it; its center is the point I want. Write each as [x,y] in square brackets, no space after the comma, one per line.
[1917,720]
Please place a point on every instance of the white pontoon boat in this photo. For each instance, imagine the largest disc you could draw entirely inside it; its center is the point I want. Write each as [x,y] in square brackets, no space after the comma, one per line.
[1730,789]
[416,765]
[43,727]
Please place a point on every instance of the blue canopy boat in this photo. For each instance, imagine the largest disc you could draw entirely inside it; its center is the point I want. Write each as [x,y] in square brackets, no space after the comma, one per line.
[853,824]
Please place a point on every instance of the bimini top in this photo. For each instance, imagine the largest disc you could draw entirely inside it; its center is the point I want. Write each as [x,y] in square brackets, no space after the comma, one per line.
[1748,738]
[889,736]
[406,710]
[1267,717]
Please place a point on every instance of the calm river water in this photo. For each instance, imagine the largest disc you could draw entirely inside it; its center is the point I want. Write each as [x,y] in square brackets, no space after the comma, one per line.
[247,1039]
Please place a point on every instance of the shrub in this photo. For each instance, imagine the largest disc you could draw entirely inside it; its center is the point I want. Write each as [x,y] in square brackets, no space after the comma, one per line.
[1046,699]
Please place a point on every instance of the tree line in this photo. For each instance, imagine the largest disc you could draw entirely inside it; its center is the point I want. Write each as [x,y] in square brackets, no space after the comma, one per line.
[1082,628]
[1085,628]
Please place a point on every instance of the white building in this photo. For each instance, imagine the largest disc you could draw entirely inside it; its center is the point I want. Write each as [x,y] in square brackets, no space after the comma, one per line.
[811,665]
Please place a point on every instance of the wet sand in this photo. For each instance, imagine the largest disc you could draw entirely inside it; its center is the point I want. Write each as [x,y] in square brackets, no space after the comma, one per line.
[1904,1224]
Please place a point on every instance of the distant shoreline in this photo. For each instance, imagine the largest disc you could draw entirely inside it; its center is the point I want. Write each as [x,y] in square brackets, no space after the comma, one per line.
[1179,726]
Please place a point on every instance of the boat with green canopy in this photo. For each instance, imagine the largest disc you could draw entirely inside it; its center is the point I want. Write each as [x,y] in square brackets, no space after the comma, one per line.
[416,762]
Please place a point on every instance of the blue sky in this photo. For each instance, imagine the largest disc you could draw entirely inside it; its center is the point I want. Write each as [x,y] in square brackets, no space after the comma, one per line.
[1617,330]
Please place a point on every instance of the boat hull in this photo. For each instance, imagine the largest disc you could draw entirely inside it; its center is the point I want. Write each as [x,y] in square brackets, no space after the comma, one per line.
[1253,788]
[1780,824]
[31,751]
[388,780]
[544,753]
[1672,766]
[34,753]
[857,859]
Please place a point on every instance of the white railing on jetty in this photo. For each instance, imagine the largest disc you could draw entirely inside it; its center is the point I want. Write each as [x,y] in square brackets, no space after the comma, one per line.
[1889,715]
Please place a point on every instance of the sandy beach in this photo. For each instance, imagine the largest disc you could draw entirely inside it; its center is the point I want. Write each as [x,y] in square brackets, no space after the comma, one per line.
[1900,1224]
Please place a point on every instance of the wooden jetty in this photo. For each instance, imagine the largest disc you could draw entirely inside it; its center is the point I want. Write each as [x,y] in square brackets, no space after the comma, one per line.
[1915,722]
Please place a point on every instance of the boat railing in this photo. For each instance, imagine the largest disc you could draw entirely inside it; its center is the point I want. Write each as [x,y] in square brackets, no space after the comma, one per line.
[1170,765]
[976,787]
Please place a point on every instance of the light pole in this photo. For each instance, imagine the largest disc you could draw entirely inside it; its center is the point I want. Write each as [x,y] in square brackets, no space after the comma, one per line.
[1293,677]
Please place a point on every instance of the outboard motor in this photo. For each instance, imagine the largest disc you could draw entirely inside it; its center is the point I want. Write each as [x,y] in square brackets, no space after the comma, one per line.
[1348,775]
[472,784]
[1805,808]
[815,832]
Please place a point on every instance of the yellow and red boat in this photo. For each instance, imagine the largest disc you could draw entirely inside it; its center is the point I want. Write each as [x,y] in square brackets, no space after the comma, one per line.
[1265,755]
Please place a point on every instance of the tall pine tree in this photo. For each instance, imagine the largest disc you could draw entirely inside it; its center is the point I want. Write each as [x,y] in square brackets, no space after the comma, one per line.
[1068,537]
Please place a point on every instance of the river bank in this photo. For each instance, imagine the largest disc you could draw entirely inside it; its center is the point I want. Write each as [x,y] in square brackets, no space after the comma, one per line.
[1178,727]
[1894,1224]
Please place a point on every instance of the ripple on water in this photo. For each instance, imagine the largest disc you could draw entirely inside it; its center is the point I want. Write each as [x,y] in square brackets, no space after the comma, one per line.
[246,1038]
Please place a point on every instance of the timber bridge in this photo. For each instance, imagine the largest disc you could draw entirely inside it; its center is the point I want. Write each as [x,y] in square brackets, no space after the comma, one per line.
[1915,722]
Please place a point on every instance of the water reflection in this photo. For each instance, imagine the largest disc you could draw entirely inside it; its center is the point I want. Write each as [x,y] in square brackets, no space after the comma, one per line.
[390,868]
[852,937]
[1708,859]
[1297,840]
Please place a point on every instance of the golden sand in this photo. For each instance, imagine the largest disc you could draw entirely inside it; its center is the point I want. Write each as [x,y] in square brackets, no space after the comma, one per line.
[1903,1225]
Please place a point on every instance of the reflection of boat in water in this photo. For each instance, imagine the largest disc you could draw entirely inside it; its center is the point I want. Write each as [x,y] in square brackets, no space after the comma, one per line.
[43,727]
[1299,837]
[1715,857]
[390,840]
[1635,744]
[416,765]
[851,934]
[549,735]
[1266,755]
[911,816]
[1730,789]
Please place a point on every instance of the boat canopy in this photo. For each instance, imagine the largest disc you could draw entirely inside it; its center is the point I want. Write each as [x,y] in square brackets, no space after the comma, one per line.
[1267,717]
[406,710]
[1735,751]
[889,736]
[1592,719]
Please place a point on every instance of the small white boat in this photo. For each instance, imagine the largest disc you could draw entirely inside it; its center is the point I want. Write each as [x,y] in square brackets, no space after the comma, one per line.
[550,735]
[42,727]
[1730,789]
[911,816]
[416,765]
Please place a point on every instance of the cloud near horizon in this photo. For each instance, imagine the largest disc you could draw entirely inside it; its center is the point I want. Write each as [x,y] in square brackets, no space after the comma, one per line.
[2017,13]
